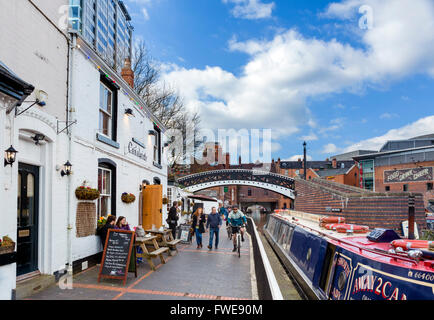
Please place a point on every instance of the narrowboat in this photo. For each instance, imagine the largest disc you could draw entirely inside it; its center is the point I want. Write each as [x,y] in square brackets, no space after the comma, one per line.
[336,261]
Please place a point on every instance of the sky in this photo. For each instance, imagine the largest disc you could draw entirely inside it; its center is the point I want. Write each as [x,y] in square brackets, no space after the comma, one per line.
[340,75]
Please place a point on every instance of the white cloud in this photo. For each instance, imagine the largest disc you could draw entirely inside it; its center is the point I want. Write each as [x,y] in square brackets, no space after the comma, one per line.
[330,148]
[297,157]
[145,13]
[418,128]
[282,73]
[251,9]
[388,115]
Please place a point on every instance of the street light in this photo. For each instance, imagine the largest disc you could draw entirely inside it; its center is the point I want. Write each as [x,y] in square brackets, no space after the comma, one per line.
[10,156]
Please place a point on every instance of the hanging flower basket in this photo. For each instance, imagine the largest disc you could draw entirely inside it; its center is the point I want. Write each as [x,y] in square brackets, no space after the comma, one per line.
[165,200]
[6,245]
[179,203]
[86,193]
[128,197]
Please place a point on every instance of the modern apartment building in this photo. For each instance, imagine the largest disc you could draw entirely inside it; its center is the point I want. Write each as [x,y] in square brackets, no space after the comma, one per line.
[105,26]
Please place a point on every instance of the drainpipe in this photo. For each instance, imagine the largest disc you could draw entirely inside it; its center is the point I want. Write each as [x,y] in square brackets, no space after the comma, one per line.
[71,47]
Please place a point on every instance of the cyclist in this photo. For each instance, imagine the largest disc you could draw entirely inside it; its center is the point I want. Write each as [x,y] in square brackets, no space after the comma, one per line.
[237,220]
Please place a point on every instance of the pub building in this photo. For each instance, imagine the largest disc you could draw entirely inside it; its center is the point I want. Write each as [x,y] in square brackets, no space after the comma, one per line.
[69,118]
[400,166]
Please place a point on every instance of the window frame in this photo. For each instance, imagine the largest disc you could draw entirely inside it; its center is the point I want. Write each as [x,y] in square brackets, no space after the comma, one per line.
[107,195]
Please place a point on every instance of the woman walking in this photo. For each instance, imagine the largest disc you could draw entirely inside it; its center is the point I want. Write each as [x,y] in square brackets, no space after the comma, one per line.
[198,226]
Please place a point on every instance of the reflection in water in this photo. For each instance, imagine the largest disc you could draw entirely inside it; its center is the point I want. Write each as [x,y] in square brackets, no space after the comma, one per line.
[260,219]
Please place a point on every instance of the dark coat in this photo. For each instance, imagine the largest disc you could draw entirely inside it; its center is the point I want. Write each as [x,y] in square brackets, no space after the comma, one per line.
[172,218]
[202,221]
[103,232]
[214,220]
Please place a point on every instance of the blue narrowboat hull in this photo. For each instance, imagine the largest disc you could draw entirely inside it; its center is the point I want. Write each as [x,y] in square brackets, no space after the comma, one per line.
[326,270]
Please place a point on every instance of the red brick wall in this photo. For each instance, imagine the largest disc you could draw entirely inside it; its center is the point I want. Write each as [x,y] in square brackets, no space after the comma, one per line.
[375,210]
[420,187]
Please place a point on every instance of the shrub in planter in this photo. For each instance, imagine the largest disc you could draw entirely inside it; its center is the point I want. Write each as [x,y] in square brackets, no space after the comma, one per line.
[7,245]
[128,197]
[86,193]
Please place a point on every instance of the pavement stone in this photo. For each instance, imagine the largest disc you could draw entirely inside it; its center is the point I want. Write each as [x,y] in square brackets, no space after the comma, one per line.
[191,274]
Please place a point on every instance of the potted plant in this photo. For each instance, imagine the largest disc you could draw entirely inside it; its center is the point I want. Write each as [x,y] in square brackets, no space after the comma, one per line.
[86,193]
[7,245]
[128,197]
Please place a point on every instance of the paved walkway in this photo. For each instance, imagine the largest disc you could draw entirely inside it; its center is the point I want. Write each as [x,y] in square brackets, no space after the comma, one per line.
[191,274]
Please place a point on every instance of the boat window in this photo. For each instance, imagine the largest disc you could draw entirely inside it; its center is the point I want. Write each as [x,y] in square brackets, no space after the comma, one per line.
[283,234]
[276,230]
[271,225]
[289,238]
[325,273]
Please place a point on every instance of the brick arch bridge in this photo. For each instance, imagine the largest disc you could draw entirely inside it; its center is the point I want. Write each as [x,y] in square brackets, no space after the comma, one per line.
[261,179]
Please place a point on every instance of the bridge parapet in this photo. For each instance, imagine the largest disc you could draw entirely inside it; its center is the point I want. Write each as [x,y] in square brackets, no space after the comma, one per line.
[256,178]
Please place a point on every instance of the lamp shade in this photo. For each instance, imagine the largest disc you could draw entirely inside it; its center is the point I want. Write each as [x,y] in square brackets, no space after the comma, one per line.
[10,156]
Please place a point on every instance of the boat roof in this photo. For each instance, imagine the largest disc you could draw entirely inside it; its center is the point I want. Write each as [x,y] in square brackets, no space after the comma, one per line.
[358,244]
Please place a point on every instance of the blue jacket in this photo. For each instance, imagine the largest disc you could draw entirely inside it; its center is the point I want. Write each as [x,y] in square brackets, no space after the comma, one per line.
[224,212]
[214,220]
[237,219]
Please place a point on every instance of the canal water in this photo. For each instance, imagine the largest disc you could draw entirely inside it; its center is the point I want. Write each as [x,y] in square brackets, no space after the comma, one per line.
[259,218]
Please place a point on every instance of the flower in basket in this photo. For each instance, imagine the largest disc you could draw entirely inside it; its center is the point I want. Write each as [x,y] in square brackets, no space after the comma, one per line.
[128,197]
[86,193]
[7,245]
[165,200]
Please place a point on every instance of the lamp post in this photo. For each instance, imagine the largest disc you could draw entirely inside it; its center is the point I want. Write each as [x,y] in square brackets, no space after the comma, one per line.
[304,160]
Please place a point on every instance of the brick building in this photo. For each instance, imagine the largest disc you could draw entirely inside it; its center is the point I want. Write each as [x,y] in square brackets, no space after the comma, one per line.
[400,166]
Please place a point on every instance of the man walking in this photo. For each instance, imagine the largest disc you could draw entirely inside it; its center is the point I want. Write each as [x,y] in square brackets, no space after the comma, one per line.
[214,223]
[172,219]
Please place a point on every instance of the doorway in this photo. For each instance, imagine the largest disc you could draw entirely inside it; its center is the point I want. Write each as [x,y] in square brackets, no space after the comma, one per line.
[27,219]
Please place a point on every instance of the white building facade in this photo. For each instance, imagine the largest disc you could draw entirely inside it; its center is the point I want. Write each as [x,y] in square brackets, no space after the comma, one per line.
[83,117]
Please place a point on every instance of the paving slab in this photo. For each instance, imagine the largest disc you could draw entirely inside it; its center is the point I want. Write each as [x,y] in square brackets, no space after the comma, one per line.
[190,274]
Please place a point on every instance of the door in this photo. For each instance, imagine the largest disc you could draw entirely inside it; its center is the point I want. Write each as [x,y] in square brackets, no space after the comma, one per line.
[27,219]
[152,206]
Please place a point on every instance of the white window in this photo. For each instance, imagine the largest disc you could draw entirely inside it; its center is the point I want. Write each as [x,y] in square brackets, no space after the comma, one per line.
[105,110]
[104,187]
[169,196]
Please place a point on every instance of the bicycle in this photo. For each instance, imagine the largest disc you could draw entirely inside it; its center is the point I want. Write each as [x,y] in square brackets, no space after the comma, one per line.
[238,242]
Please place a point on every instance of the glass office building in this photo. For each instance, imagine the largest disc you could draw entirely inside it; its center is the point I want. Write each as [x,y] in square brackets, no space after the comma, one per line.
[105,25]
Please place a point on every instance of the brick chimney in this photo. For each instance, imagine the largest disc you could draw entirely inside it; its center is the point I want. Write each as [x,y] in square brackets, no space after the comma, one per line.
[334,163]
[228,160]
[239,160]
[127,73]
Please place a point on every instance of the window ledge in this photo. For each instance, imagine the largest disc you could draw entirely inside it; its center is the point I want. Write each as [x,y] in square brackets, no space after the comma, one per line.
[108,141]
[159,166]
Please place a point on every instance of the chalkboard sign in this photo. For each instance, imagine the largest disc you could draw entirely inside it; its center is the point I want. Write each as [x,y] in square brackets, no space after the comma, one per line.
[115,262]
[184,233]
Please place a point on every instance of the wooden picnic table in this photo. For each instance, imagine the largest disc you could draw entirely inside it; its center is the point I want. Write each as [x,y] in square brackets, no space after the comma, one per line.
[165,239]
[153,252]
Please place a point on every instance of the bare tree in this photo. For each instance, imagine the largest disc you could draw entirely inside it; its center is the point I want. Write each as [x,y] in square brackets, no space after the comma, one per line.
[165,103]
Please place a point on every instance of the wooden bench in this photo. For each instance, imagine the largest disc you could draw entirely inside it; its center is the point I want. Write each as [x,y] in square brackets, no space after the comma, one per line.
[151,253]
[173,243]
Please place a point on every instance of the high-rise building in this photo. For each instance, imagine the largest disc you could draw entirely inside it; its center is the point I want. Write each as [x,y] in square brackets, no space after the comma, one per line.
[105,25]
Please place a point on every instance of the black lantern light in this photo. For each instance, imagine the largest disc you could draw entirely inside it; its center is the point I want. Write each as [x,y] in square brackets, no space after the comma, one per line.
[67,169]
[129,112]
[10,156]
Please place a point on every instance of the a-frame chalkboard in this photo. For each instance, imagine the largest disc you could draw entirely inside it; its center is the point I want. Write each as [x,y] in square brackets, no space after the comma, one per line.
[115,263]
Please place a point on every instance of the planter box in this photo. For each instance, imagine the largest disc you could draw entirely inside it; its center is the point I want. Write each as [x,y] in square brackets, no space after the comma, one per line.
[8,258]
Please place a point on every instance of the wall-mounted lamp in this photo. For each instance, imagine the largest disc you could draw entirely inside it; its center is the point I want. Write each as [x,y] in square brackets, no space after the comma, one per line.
[41,98]
[38,137]
[10,156]
[67,169]
[152,133]
[129,112]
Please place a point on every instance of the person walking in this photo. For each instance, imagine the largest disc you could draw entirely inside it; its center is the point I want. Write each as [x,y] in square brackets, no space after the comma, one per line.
[223,212]
[214,223]
[172,219]
[198,226]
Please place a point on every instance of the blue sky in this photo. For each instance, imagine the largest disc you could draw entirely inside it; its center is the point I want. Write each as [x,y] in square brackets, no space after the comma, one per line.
[305,69]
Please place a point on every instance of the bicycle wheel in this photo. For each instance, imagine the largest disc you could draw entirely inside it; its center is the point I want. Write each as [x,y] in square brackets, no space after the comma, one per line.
[229,229]
[239,245]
